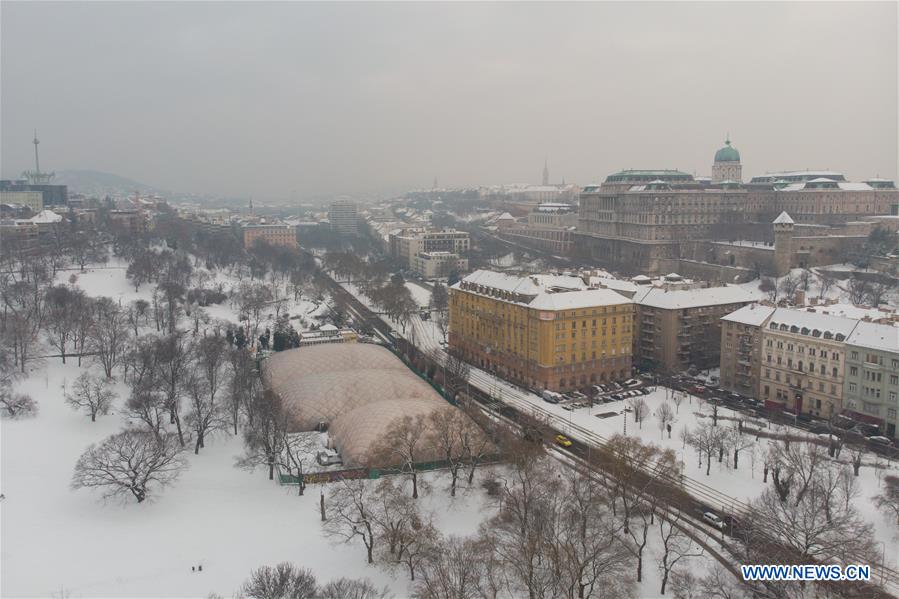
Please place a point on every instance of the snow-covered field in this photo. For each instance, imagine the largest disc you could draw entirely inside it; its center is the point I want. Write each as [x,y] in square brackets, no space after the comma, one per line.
[70,543]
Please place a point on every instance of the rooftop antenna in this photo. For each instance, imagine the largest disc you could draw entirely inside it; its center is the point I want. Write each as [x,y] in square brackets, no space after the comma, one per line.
[36,177]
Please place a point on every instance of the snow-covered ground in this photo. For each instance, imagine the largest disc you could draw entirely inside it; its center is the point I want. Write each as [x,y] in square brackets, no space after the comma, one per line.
[110,280]
[70,543]
[224,518]
[742,484]
[420,294]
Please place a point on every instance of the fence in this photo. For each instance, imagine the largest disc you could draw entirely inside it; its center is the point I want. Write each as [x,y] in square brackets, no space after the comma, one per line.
[330,476]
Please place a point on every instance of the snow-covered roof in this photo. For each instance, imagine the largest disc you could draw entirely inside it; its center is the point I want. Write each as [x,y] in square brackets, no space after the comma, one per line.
[571,300]
[560,281]
[503,282]
[45,216]
[813,321]
[505,216]
[327,327]
[783,219]
[674,299]
[875,336]
[753,314]
[544,292]
[359,389]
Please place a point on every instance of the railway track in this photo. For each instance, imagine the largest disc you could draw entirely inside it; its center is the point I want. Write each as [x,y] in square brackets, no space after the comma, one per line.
[689,496]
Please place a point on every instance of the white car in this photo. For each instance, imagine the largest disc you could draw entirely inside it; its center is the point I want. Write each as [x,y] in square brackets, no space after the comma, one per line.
[713,519]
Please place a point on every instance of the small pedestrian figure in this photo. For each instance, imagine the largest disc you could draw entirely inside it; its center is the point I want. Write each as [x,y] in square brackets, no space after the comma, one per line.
[200,567]
[193,568]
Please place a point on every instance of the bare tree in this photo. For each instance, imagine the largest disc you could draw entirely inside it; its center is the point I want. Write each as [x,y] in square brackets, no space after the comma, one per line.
[16,405]
[676,546]
[264,435]
[108,336]
[769,286]
[858,289]
[826,281]
[407,535]
[351,588]
[450,572]
[639,408]
[888,499]
[205,416]
[174,365]
[60,317]
[810,509]
[284,581]
[350,514]
[131,462]
[789,285]
[402,446]
[677,397]
[805,279]
[718,584]
[242,384]
[665,415]
[92,394]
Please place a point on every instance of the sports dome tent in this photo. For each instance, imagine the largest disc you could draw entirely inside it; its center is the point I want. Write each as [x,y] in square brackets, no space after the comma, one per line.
[358,389]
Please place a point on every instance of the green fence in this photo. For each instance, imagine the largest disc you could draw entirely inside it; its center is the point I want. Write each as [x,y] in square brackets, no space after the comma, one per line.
[330,476]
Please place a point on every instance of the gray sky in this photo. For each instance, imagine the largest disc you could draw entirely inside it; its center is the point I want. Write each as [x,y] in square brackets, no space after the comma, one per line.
[262,99]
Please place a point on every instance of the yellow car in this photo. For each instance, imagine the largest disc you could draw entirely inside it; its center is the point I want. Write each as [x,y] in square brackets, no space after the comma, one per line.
[563,441]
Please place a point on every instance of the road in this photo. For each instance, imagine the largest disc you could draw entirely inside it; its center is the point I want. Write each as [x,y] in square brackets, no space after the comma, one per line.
[691,497]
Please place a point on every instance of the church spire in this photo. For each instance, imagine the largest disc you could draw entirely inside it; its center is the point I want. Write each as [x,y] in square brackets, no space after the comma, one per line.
[545,171]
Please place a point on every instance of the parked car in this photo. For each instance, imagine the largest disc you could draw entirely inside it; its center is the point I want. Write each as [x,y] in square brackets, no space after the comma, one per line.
[563,441]
[880,440]
[644,391]
[713,519]
[697,389]
[631,383]
[328,459]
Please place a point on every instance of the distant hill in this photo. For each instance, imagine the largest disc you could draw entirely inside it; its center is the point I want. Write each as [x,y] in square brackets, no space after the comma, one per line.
[96,183]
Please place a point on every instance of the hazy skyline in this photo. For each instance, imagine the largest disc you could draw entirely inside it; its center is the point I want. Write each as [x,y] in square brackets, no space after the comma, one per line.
[266,99]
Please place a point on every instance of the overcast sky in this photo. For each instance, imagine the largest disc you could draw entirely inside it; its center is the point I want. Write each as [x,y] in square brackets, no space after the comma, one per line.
[266,99]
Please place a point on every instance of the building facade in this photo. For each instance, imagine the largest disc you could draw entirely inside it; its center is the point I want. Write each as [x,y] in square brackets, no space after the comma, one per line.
[406,244]
[281,235]
[541,332]
[550,228]
[804,362]
[871,389]
[741,349]
[344,217]
[34,200]
[637,219]
[679,325]
[434,265]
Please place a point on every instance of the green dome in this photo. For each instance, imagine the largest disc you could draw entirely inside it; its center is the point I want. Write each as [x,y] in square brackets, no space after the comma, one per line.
[727,153]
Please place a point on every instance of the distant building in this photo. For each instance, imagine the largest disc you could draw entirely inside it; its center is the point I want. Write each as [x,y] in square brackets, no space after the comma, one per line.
[741,349]
[871,388]
[434,265]
[550,227]
[51,195]
[133,221]
[444,246]
[678,324]
[651,221]
[804,362]
[281,235]
[32,199]
[344,218]
[544,332]
[328,333]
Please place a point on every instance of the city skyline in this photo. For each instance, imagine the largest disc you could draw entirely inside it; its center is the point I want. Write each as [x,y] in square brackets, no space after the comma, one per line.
[469,105]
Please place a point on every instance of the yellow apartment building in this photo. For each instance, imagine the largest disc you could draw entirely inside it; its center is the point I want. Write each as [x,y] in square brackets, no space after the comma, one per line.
[541,331]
